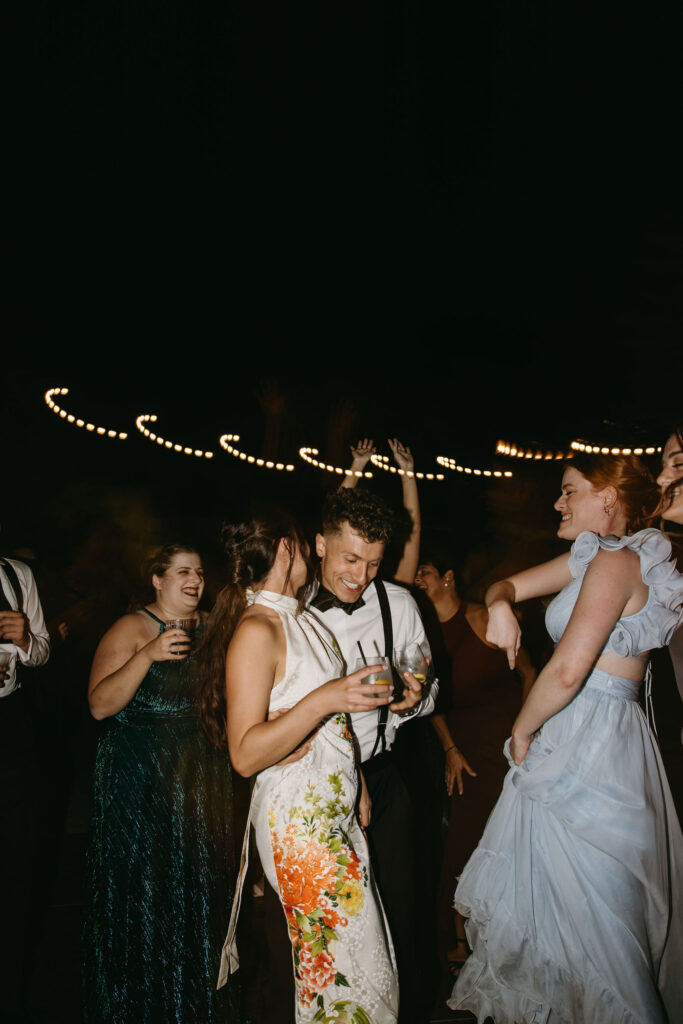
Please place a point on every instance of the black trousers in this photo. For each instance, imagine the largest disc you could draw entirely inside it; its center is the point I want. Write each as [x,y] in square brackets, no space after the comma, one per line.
[18,843]
[279,993]
[391,835]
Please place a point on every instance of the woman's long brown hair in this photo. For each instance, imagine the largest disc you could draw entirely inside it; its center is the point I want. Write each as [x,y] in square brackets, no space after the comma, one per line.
[251,548]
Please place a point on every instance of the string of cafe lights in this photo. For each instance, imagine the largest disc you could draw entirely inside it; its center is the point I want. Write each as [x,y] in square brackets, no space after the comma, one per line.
[70,418]
[163,442]
[307,454]
[225,442]
[598,449]
[382,462]
[449,463]
[520,452]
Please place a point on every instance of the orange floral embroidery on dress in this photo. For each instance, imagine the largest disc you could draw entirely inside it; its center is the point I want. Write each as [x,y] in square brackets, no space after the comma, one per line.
[322,883]
[303,873]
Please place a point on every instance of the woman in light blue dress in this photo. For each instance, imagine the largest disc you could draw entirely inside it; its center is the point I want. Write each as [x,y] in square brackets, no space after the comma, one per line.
[573,894]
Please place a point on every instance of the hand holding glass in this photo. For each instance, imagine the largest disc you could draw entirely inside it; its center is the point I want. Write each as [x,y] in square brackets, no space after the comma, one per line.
[383,676]
[414,659]
[188,626]
[5,658]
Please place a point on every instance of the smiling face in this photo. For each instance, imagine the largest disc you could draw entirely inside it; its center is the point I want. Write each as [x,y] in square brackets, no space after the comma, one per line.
[349,563]
[672,471]
[427,578]
[180,588]
[580,505]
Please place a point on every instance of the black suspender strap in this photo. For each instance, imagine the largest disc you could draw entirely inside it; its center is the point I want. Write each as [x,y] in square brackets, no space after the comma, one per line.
[386,618]
[383,712]
[14,583]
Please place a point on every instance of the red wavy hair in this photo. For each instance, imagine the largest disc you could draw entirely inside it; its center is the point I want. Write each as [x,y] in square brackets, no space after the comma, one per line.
[634,483]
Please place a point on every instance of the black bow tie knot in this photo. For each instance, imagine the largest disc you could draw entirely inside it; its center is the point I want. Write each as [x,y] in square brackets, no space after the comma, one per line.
[325,599]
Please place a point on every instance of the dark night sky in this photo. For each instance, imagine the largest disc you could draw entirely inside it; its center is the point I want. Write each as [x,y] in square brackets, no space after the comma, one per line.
[457,175]
[457,216]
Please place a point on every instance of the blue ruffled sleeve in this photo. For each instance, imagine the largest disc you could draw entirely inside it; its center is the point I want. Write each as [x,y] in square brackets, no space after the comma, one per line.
[583,551]
[655,623]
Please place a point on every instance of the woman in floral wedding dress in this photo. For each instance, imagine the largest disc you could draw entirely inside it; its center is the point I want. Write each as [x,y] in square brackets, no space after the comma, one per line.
[286,710]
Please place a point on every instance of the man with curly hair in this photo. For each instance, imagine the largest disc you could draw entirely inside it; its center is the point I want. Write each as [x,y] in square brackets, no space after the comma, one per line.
[362,610]
[355,604]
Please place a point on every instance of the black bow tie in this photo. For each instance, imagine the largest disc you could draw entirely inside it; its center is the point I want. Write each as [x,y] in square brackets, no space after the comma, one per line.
[324,599]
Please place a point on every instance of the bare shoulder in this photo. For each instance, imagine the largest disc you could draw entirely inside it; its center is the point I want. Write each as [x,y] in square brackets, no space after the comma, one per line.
[621,562]
[478,617]
[617,572]
[133,629]
[125,638]
[477,611]
[258,640]
[259,625]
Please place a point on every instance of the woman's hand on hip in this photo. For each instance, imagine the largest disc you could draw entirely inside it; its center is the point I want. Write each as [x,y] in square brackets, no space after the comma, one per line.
[519,746]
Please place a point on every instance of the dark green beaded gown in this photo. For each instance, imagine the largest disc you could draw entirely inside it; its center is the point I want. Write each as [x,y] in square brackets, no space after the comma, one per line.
[161,864]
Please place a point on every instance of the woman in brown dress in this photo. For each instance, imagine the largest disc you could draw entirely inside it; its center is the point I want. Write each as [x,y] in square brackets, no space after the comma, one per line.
[473,719]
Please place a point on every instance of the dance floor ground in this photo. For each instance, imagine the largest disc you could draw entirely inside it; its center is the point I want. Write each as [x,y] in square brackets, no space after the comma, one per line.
[56,993]
[55,996]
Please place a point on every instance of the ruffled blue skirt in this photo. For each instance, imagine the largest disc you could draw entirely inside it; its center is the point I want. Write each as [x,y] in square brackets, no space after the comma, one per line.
[573,893]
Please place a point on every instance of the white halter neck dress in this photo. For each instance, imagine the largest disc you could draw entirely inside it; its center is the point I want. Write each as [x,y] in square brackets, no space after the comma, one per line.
[314,852]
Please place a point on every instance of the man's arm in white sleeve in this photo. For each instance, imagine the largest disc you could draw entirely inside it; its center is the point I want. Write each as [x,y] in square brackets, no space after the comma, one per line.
[411,631]
[39,638]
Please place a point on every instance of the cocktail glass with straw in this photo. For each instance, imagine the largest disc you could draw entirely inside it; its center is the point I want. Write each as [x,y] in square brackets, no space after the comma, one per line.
[383,676]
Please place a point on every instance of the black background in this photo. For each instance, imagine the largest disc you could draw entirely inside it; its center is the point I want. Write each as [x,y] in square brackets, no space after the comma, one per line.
[460,218]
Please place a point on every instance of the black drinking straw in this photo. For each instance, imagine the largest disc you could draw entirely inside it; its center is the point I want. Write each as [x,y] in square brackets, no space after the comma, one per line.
[362,654]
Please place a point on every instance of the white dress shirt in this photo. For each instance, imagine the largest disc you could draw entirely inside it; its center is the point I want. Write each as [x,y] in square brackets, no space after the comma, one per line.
[365,624]
[39,638]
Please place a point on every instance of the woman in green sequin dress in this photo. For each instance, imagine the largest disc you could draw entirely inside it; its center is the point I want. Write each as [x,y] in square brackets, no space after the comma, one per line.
[161,865]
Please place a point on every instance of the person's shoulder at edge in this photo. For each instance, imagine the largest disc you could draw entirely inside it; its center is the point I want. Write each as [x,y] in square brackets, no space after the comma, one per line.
[23,571]
[399,591]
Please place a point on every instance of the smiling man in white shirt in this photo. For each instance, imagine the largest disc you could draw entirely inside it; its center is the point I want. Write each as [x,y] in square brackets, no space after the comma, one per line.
[356,528]
[363,611]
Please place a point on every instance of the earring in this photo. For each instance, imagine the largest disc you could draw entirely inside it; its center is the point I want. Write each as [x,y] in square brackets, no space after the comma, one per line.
[607,509]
